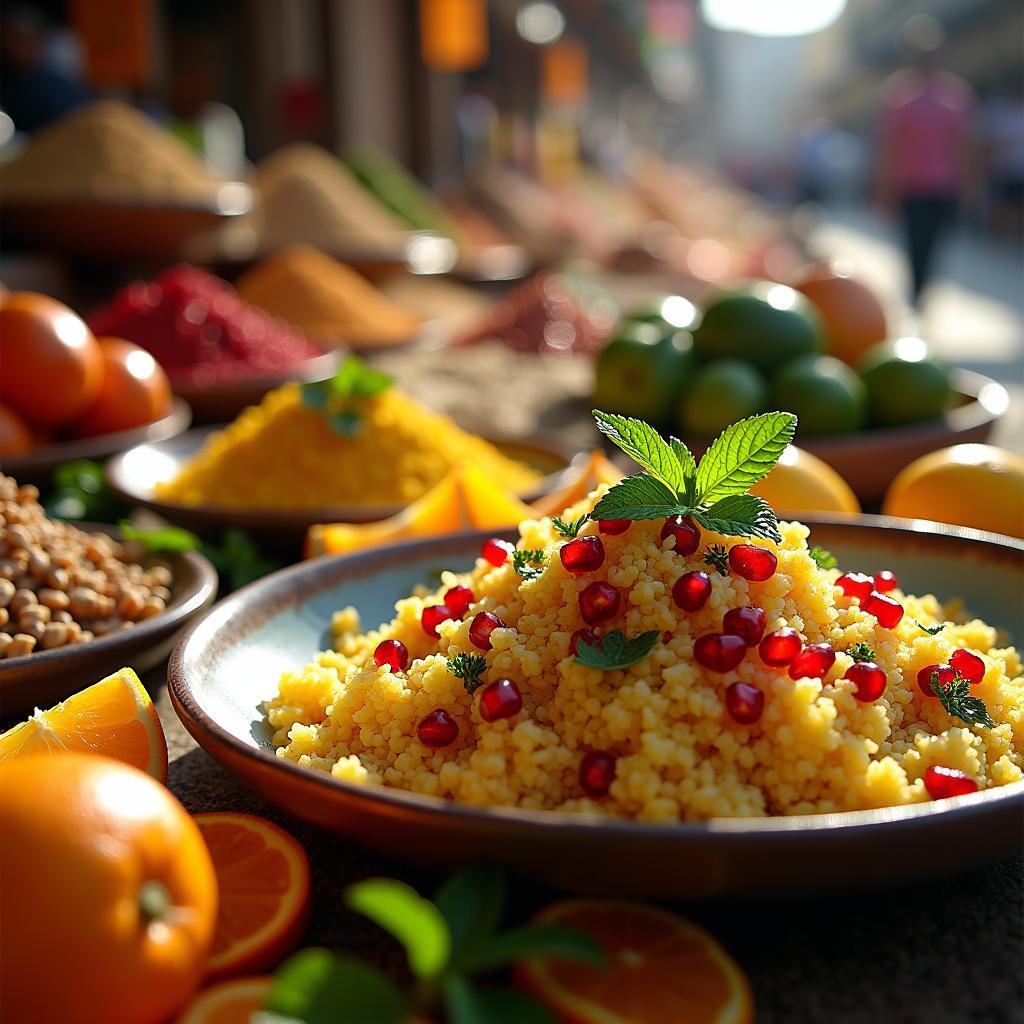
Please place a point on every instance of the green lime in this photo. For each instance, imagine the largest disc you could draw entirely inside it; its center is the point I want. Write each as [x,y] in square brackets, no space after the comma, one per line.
[669,313]
[767,324]
[640,373]
[720,393]
[827,396]
[904,384]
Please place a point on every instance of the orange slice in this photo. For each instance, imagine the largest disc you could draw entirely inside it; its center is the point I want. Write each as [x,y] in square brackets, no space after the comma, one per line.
[660,967]
[263,887]
[114,717]
[228,1002]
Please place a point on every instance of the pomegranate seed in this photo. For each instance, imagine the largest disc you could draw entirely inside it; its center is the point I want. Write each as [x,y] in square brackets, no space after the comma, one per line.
[599,602]
[500,699]
[597,772]
[393,653]
[744,702]
[496,551]
[886,581]
[438,729]
[943,782]
[719,652]
[584,554]
[457,600]
[924,677]
[585,635]
[752,563]
[887,610]
[969,665]
[869,680]
[692,590]
[813,662]
[687,536]
[481,628]
[746,623]
[432,617]
[781,647]
[613,527]
[855,584]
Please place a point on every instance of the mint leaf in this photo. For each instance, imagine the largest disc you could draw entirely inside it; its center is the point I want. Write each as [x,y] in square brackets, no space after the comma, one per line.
[469,668]
[740,515]
[645,446]
[639,497]
[314,396]
[415,922]
[688,464]
[614,651]
[823,559]
[462,1002]
[532,941]
[510,1006]
[931,630]
[354,379]
[346,422]
[471,901]
[958,702]
[742,454]
[172,539]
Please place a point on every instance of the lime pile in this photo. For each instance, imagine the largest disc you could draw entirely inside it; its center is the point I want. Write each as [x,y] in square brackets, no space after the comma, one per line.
[822,355]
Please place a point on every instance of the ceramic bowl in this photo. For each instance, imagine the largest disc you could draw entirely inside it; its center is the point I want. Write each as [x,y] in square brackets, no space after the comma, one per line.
[228,664]
[40,679]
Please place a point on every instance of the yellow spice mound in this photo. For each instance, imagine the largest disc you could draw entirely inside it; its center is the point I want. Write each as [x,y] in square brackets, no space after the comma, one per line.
[679,754]
[281,454]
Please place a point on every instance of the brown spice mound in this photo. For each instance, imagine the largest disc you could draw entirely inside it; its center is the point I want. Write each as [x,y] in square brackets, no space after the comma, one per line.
[107,151]
[325,299]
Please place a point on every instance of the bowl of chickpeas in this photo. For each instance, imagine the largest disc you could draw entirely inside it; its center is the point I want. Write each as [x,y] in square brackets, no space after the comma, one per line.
[77,602]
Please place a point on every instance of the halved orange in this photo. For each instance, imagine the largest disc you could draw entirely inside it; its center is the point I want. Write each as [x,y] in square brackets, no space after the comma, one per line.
[660,967]
[263,887]
[114,717]
[227,1002]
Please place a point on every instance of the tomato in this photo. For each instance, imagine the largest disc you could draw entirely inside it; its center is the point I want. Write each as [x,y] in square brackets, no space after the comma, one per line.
[52,366]
[15,433]
[135,390]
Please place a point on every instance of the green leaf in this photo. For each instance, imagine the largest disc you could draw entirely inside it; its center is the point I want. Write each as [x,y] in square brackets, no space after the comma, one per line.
[510,1006]
[572,527]
[316,987]
[462,1002]
[314,396]
[354,379]
[346,422]
[689,466]
[531,941]
[414,921]
[717,556]
[740,515]
[469,668]
[80,475]
[646,447]
[931,630]
[521,562]
[614,651]
[823,559]
[958,702]
[860,652]
[471,901]
[639,497]
[742,454]
[238,559]
[166,538]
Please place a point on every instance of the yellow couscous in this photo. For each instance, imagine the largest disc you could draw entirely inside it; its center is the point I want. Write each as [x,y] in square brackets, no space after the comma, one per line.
[663,725]
[281,454]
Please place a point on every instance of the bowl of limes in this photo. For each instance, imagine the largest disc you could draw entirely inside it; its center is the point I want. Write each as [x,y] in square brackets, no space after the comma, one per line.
[868,404]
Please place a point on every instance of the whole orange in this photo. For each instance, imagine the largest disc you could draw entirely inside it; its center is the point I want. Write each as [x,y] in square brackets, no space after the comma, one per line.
[135,390]
[109,897]
[15,433]
[50,364]
[852,316]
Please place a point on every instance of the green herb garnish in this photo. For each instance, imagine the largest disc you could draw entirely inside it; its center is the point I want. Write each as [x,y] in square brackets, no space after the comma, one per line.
[860,652]
[713,492]
[80,491]
[958,702]
[171,539]
[571,528]
[931,630]
[469,668]
[614,651]
[521,562]
[823,559]
[237,558]
[718,558]
[340,397]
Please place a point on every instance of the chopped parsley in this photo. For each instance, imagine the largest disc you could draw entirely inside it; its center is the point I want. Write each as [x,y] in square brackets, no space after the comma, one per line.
[823,559]
[525,562]
[469,668]
[860,652]
[572,527]
[718,558]
[931,630]
[958,702]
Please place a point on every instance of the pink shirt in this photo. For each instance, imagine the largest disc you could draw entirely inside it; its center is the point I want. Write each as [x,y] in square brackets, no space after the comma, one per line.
[925,125]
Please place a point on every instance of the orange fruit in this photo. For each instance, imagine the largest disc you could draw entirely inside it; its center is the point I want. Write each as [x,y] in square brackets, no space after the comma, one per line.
[52,366]
[801,482]
[227,1002]
[15,433]
[850,312]
[135,391]
[114,717]
[656,964]
[263,881]
[109,895]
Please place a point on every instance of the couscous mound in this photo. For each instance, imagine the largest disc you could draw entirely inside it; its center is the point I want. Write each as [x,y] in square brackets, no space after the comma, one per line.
[675,750]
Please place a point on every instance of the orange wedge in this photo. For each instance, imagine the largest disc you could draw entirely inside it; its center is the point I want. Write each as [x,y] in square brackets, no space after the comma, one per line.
[263,886]
[228,1002]
[660,967]
[114,717]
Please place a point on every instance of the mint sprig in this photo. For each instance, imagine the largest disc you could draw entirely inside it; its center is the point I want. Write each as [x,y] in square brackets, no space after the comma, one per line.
[713,492]
[614,651]
[339,398]
[958,702]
